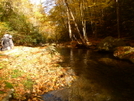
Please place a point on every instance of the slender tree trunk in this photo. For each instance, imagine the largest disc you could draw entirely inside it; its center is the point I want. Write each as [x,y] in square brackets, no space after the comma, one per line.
[118,18]
[75,23]
[69,26]
[77,28]
[76,39]
[84,30]
[83,21]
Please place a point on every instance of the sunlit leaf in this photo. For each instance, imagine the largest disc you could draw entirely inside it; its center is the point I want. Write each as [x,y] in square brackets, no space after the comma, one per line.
[1,67]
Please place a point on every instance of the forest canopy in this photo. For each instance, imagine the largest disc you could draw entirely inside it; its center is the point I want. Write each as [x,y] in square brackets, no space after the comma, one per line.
[67,20]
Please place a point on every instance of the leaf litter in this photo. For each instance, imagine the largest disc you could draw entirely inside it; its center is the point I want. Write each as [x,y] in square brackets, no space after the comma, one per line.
[28,72]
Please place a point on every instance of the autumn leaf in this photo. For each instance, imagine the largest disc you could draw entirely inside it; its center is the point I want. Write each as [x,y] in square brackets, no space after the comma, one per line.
[31,73]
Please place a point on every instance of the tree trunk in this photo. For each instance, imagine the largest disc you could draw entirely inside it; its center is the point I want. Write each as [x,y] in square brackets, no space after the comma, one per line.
[83,21]
[118,18]
[69,26]
[75,23]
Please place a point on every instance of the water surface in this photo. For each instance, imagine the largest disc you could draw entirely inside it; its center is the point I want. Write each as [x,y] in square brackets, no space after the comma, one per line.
[101,77]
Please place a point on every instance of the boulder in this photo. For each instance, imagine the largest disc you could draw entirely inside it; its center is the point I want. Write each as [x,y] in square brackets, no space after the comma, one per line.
[125,52]
[57,95]
[109,44]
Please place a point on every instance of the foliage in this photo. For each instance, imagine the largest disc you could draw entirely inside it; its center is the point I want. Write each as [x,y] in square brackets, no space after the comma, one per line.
[20,18]
[100,16]
[58,18]
[4,27]
[31,24]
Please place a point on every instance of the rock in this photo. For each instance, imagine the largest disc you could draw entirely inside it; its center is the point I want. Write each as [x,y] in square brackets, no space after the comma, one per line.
[108,61]
[125,52]
[109,44]
[57,95]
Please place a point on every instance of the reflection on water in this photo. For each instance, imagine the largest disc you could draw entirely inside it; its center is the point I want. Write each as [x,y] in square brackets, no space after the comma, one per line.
[100,76]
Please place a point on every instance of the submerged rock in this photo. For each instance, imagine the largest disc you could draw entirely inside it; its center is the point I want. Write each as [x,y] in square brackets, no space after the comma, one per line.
[125,52]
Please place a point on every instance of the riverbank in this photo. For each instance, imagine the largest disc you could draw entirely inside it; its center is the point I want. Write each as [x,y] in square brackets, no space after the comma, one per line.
[93,42]
[29,72]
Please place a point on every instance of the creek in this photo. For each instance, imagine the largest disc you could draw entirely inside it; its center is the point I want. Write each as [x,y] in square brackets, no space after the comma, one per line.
[101,77]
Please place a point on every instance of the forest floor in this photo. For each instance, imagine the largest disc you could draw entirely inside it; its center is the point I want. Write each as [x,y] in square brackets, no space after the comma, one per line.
[27,72]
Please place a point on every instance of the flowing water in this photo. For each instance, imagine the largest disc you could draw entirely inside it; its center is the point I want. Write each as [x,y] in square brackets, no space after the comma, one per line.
[101,77]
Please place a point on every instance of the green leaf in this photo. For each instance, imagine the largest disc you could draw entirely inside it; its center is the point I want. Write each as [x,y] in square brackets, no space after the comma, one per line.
[16,73]
[28,83]
[8,85]
[2,92]
[1,67]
